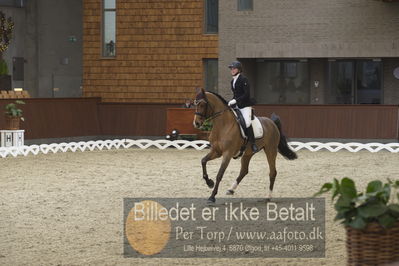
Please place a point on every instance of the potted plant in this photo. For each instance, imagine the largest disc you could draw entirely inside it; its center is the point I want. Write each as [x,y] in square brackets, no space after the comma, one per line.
[206,129]
[13,115]
[371,219]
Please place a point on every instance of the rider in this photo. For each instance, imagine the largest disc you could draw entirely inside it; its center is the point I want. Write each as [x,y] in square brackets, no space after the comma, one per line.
[241,98]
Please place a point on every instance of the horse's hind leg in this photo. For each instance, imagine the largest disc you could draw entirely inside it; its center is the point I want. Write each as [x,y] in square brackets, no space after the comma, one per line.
[210,156]
[243,172]
[271,154]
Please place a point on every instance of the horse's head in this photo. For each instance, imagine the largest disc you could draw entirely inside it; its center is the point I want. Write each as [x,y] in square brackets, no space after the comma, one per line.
[201,108]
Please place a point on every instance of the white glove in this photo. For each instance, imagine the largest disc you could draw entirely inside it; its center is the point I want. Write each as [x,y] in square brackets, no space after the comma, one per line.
[232,102]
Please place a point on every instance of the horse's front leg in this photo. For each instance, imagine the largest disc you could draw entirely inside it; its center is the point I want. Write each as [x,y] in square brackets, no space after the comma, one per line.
[222,169]
[243,172]
[210,156]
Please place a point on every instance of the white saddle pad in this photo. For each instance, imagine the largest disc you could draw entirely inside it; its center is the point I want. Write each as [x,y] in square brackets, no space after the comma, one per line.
[257,127]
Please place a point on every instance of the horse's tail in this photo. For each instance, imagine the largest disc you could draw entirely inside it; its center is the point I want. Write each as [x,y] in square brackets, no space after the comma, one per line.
[283,147]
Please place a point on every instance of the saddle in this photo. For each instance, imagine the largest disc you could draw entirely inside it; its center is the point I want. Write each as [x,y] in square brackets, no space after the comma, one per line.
[256,127]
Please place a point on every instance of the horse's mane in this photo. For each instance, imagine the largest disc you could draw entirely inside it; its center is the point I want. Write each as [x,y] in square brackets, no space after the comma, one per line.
[220,97]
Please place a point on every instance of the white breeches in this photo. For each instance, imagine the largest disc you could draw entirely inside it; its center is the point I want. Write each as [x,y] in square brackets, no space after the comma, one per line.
[246,113]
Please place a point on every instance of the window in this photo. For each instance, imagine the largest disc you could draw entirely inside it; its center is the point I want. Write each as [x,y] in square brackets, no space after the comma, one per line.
[109,28]
[211,74]
[282,82]
[245,5]
[368,82]
[354,82]
[211,16]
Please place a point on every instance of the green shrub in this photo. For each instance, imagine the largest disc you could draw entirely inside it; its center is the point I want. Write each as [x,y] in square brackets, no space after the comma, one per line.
[3,67]
[379,203]
[206,126]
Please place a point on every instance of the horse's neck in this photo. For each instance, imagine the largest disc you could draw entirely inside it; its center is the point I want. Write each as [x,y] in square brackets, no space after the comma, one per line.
[225,118]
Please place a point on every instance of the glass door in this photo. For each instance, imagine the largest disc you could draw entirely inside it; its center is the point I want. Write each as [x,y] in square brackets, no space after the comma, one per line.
[368,82]
[341,82]
[354,82]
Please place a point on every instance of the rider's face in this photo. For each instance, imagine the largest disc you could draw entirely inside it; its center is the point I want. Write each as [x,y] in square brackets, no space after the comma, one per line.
[233,71]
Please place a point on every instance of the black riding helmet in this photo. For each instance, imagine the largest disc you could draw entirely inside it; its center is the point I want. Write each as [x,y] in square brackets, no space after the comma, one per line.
[236,64]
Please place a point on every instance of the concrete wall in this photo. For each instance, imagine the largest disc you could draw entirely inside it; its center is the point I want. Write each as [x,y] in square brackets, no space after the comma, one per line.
[41,36]
[60,61]
[308,29]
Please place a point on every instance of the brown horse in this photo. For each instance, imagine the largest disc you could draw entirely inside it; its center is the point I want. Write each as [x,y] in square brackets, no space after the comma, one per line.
[226,140]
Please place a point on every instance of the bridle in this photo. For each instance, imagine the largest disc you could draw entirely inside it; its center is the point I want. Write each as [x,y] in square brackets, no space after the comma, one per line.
[196,103]
[204,115]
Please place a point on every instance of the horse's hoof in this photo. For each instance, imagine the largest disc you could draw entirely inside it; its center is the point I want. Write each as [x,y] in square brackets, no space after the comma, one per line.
[230,192]
[211,200]
[210,183]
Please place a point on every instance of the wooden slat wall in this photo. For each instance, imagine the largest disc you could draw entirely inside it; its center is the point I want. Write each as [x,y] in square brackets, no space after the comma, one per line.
[180,119]
[124,119]
[58,118]
[160,47]
[336,121]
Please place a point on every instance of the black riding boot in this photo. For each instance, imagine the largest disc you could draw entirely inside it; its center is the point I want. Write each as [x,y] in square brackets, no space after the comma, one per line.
[251,139]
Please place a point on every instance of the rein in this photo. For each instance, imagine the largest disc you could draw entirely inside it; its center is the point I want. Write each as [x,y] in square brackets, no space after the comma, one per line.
[206,110]
[216,114]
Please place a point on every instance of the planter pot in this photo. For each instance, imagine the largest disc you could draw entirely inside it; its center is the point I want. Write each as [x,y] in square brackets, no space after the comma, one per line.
[372,246]
[12,123]
[203,135]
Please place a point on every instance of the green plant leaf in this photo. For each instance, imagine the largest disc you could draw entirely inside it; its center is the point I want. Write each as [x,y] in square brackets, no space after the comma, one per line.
[12,110]
[394,209]
[339,216]
[361,198]
[335,188]
[3,67]
[325,188]
[374,186]
[386,220]
[10,106]
[343,204]
[347,188]
[385,194]
[350,214]
[358,223]
[372,209]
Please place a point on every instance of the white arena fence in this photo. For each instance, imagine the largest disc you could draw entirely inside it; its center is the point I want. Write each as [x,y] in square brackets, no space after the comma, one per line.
[180,145]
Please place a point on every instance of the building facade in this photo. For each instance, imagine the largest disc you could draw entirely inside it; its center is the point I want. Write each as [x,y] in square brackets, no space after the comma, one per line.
[313,51]
[148,51]
[157,51]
